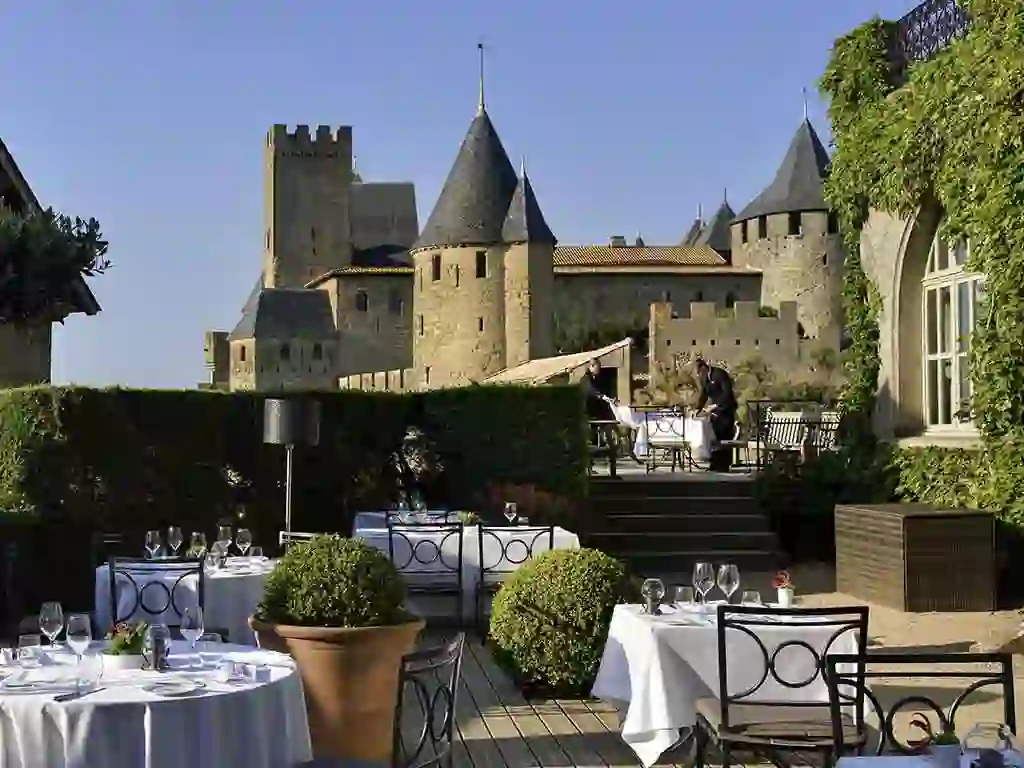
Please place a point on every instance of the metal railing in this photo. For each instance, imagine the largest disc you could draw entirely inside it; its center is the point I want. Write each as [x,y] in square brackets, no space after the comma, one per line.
[925,31]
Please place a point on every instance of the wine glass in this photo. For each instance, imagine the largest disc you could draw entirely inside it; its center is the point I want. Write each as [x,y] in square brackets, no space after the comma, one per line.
[652,590]
[728,579]
[224,536]
[703,579]
[174,539]
[257,551]
[51,621]
[152,542]
[192,625]
[510,512]
[79,635]
[243,540]
[198,543]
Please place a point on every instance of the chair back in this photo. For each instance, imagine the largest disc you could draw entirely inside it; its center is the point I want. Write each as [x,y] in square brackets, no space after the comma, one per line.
[105,545]
[427,551]
[155,591]
[785,429]
[850,678]
[427,687]
[285,539]
[826,431]
[775,657]
[503,548]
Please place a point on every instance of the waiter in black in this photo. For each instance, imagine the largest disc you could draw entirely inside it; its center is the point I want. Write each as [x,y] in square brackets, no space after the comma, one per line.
[598,406]
[716,393]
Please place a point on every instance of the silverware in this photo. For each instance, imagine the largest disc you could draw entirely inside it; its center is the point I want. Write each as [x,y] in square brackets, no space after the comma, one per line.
[76,694]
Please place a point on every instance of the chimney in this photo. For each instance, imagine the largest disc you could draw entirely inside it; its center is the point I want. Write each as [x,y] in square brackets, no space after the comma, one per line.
[618,241]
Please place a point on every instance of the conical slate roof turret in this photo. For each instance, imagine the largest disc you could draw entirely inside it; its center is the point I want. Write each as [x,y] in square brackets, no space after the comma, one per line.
[524,222]
[475,199]
[799,182]
[690,238]
[716,234]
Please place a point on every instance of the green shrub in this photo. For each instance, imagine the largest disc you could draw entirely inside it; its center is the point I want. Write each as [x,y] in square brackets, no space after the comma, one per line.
[330,581]
[550,619]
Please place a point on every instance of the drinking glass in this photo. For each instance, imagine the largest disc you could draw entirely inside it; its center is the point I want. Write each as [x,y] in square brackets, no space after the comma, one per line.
[224,536]
[682,596]
[152,542]
[728,580]
[198,543]
[703,579]
[243,540]
[652,590]
[750,597]
[208,644]
[192,625]
[257,551]
[79,635]
[510,512]
[174,539]
[28,650]
[51,621]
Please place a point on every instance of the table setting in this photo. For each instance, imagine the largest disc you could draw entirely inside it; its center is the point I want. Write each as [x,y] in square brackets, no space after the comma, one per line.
[233,584]
[668,429]
[662,655]
[195,702]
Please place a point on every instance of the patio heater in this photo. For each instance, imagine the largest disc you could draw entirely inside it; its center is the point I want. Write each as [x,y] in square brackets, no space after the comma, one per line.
[290,422]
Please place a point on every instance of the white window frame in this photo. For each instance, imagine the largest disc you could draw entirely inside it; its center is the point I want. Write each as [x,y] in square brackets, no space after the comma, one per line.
[943,273]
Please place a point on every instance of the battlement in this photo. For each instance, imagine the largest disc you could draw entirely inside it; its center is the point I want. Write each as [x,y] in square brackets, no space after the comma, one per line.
[302,140]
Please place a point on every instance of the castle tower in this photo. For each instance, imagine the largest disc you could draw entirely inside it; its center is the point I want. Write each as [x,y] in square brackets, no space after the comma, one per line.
[789,234]
[715,234]
[459,266]
[529,278]
[695,229]
[307,184]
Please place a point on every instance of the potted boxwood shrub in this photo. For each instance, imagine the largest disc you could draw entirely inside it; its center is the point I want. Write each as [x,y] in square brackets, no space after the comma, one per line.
[337,606]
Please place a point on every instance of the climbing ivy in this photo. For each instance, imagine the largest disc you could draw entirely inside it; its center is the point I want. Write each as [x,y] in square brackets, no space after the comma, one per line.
[953,134]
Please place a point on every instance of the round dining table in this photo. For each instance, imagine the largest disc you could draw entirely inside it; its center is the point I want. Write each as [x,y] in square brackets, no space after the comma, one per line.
[238,706]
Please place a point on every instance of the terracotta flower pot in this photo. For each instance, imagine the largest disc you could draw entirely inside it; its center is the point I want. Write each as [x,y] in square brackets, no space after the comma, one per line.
[350,678]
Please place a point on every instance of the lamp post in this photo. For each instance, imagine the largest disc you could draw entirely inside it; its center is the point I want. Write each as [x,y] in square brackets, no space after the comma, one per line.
[290,422]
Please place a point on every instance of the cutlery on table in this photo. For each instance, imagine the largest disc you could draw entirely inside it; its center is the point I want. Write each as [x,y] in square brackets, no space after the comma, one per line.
[76,694]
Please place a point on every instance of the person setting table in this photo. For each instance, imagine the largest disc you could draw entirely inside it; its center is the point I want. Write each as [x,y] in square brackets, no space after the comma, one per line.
[719,400]
[599,405]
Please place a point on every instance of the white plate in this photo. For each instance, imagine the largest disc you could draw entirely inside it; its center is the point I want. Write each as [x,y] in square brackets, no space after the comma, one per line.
[169,688]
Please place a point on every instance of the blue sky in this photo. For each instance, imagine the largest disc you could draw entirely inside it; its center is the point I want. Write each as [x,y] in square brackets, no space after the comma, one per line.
[151,117]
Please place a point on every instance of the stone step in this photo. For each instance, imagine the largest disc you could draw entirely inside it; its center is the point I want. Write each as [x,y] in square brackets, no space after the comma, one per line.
[628,487]
[655,564]
[656,523]
[707,543]
[673,505]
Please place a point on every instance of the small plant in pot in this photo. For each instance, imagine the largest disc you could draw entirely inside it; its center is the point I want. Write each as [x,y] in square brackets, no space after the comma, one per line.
[125,644]
[337,606]
[944,746]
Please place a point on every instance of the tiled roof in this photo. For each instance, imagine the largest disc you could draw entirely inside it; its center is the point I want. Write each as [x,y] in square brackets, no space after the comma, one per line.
[715,233]
[474,201]
[543,369]
[636,256]
[286,313]
[799,182]
[525,222]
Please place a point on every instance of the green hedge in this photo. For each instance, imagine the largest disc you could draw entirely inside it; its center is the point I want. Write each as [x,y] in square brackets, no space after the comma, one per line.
[124,459]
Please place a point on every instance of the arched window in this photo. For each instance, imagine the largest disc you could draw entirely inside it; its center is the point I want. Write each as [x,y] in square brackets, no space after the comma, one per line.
[951,297]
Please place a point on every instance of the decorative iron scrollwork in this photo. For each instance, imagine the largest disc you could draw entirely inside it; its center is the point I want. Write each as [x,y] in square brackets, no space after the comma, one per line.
[925,31]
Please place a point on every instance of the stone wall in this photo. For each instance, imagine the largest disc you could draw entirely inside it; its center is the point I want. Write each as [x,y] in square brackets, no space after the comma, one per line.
[373,314]
[217,353]
[804,266]
[25,355]
[529,303]
[268,365]
[401,380]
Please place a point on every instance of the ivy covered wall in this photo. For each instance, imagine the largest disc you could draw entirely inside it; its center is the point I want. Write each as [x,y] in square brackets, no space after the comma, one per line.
[953,134]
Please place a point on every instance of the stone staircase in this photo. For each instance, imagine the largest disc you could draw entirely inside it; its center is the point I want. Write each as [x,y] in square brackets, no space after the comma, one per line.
[663,525]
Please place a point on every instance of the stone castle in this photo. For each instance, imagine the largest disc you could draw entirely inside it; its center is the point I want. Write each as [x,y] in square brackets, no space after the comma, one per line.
[353,291]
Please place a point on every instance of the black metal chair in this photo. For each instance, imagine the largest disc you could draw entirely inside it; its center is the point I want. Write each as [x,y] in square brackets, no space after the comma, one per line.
[849,677]
[754,719]
[152,597]
[429,556]
[286,539]
[105,545]
[526,541]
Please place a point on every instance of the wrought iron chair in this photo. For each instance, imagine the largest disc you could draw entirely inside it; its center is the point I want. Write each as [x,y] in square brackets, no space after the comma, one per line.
[152,596]
[285,539]
[738,444]
[525,542]
[429,558]
[757,719]
[849,678]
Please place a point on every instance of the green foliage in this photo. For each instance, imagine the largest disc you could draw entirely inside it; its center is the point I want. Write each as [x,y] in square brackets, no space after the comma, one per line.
[43,256]
[578,336]
[550,619]
[127,639]
[330,581]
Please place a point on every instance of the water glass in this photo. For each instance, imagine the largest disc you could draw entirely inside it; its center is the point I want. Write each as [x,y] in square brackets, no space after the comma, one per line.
[174,539]
[51,620]
[703,579]
[207,646]
[192,625]
[652,591]
[682,595]
[224,536]
[92,669]
[152,542]
[198,543]
[728,580]
[510,512]
[79,635]
[751,597]
[243,540]
[256,552]
[29,649]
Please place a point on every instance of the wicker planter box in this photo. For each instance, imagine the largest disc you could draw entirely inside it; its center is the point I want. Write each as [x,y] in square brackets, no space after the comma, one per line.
[916,557]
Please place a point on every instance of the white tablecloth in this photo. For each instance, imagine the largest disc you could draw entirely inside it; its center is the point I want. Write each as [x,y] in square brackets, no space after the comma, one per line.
[230,596]
[371,527]
[668,431]
[251,725]
[660,669]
